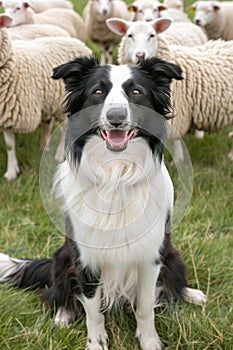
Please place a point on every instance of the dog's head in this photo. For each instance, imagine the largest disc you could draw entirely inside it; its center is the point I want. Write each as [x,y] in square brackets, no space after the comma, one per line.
[111,101]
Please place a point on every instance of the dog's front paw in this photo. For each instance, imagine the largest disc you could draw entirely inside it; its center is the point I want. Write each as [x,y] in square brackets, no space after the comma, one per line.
[12,173]
[94,344]
[194,296]
[63,318]
[149,343]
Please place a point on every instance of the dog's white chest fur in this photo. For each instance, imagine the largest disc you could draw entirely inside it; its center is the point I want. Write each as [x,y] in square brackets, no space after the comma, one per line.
[118,204]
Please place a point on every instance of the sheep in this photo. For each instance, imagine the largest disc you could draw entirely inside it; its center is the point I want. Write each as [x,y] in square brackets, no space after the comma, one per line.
[68,20]
[174,9]
[31,31]
[146,10]
[174,4]
[140,37]
[95,14]
[204,98]
[37,5]
[185,34]
[215,18]
[175,15]
[28,96]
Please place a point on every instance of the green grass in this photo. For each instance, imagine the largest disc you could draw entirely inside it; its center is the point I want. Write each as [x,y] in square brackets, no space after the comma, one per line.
[204,238]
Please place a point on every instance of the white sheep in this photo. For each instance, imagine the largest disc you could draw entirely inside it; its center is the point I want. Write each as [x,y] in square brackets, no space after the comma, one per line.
[146,10]
[174,4]
[204,98]
[31,31]
[95,14]
[215,17]
[37,5]
[28,96]
[185,34]
[174,9]
[67,19]
[140,37]
[175,15]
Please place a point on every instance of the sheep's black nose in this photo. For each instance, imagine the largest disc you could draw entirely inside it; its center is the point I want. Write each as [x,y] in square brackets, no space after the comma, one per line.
[116,115]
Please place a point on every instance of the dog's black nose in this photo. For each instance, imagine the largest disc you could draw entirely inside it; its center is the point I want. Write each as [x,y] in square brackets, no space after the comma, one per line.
[116,115]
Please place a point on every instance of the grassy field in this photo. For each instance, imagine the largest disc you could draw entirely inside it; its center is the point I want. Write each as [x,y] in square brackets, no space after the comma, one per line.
[204,238]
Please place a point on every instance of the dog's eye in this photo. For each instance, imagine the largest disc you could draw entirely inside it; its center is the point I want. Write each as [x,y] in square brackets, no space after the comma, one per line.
[136,92]
[98,92]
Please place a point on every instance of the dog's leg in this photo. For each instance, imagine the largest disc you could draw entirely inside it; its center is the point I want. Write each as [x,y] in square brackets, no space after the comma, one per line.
[63,317]
[194,296]
[146,332]
[96,333]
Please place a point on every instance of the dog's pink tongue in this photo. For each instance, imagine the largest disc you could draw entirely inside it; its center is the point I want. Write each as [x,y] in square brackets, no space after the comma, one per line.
[117,137]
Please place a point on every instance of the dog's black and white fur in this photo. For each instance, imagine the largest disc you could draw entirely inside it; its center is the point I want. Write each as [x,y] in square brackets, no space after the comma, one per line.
[117,198]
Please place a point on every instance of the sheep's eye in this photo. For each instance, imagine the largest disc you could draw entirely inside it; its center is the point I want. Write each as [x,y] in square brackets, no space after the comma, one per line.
[18,8]
[152,35]
[140,11]
[155,10]
[130,35]
[98,92]
[136,92]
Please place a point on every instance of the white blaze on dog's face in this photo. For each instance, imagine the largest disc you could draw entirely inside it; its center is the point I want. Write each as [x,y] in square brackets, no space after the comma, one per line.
[116,95]
[115,115]
[141,40]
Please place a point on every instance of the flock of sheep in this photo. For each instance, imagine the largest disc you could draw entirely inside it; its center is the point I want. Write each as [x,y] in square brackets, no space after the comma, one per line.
[37,35]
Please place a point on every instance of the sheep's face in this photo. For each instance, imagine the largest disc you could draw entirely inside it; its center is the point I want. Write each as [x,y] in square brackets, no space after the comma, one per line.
[16,9]
[102,8]
[205,12]
[140,37]
[147,11]
[140,41]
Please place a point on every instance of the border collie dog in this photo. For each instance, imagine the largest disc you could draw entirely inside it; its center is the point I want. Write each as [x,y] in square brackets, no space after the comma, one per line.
[117,199]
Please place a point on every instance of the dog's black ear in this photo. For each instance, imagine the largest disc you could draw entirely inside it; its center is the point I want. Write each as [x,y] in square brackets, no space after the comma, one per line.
[161,73]
[158,68]
[71,72]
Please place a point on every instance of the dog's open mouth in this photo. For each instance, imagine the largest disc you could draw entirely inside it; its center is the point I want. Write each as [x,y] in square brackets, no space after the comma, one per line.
[116,139]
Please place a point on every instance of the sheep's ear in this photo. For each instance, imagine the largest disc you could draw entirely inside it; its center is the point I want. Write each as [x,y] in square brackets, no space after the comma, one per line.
[27,4]
[132,8]
[192,8]
[162,7]
[161,24]
[5,20]
[117,25]
[216,7]
[0,3]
